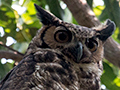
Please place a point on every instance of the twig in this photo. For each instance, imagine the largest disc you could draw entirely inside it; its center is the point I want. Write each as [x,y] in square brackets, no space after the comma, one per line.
[10,55]
[10,48]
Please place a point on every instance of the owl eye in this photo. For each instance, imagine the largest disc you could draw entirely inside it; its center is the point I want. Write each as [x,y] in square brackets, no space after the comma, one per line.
[92,45]
[62,36]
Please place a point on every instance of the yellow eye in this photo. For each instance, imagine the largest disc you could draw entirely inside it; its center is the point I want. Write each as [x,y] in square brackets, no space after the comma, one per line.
[62,36]
[92,45]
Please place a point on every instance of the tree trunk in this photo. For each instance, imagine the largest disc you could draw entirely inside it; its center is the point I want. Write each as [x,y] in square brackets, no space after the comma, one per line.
[85,16]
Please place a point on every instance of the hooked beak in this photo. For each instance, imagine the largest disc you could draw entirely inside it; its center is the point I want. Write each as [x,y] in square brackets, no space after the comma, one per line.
[75,53]
[78,52]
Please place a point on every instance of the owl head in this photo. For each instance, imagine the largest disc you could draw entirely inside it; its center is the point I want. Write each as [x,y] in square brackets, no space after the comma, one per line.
[74,41]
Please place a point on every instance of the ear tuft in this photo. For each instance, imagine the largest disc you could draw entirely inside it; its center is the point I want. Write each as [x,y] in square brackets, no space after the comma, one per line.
[107,31]
[45,17]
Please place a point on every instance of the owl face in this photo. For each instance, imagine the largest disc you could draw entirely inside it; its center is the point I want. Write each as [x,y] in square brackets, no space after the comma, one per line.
[74,41]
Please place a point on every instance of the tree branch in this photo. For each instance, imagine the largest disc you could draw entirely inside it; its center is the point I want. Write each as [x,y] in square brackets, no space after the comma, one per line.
[82,12]
[85,16]
[112,52]
[10,55]
[15,55]
[10,48]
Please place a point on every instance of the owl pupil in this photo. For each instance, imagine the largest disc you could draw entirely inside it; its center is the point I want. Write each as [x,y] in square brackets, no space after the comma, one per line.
[90,45]
[62,36]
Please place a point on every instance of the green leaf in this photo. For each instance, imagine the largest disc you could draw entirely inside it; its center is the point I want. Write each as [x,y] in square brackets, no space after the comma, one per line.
[6,2]
[108,77]
[54,6]
[116,34]
[21,47]
[3,23]
[8,20]
[98,10]
[74,21]
[27,18]
[30,8]
[117,81]
[113,10]
[90,3]
[103,15]
[4,69]
[42,3]
[10,14]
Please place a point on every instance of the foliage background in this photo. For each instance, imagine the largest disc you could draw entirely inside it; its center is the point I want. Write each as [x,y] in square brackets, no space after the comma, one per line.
[18,25]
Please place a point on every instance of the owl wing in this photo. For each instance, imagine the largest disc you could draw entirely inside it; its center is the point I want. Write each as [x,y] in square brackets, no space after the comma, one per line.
[40,71]
[19,76]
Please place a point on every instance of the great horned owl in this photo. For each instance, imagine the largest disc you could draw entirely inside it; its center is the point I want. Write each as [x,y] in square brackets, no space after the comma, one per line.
[62,56]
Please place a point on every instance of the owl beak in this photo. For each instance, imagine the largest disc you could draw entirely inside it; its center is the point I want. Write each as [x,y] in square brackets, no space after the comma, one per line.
[78,52]
[75,53]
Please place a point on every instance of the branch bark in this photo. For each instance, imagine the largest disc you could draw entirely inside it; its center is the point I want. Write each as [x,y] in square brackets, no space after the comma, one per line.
[82,12]
[86,17]
[1,44]
[10,55]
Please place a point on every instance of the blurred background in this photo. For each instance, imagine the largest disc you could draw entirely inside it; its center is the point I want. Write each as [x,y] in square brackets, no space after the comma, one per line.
[18,25]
